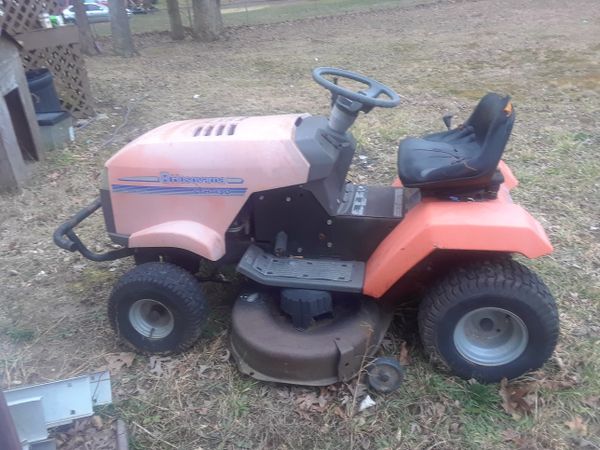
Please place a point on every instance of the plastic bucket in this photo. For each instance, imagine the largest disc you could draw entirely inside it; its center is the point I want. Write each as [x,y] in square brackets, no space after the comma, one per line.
[42,91]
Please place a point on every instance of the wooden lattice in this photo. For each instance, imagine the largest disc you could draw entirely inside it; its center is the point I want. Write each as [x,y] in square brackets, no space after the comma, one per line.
[70,77]
[57,49]
[21,16]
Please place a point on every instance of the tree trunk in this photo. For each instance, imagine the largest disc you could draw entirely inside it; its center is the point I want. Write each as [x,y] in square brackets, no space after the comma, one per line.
[86,38]
[177,33]
[119,27]
[208,23]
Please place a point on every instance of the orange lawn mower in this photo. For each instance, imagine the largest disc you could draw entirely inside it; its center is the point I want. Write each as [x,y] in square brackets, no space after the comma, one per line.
[326,260]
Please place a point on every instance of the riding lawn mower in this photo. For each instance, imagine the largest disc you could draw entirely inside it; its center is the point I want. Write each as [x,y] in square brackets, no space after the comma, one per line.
[325,261]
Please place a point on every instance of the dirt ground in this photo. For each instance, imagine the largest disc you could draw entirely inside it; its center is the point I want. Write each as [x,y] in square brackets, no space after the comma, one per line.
[440,57]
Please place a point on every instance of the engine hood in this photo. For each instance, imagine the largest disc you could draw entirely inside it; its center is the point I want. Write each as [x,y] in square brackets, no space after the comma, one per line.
[202,170]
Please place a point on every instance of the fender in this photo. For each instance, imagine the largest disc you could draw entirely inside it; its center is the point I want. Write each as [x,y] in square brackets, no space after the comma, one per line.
[497,225]
[184,234]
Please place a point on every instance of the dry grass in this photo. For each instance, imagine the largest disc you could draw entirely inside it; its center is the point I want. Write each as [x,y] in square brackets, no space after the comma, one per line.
[440,58]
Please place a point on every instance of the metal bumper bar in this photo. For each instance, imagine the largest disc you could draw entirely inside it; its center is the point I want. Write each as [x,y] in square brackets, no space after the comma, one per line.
[66,238]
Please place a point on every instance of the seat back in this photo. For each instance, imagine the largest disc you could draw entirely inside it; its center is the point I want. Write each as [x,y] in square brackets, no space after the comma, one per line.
[492,121]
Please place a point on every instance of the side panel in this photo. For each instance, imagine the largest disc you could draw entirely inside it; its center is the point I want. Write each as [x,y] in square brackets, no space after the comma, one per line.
[184,234]
[497,225]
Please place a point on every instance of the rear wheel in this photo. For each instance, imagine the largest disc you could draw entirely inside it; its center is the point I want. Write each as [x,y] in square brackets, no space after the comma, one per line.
[158,308]
[489,320]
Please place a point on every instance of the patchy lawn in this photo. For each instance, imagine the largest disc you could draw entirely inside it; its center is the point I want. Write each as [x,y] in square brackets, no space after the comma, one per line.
[256,12]
[441,58]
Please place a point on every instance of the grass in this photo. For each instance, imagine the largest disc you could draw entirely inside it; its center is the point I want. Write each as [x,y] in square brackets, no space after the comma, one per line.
[254,14]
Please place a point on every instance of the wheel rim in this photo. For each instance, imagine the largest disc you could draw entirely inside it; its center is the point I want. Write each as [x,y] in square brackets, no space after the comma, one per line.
[490,336]
[151,319]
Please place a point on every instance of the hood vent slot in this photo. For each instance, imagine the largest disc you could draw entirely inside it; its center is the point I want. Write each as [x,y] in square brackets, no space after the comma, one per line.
[217,129]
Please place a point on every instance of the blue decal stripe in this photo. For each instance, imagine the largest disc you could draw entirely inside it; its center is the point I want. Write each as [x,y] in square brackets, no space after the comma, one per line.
[141,179]
[164,190]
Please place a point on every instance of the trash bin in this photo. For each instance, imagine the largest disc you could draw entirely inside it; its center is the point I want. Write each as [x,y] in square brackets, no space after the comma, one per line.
[43,94]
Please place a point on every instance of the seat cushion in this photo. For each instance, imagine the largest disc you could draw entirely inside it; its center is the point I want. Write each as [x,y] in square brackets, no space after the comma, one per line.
[466,156]
[439,157]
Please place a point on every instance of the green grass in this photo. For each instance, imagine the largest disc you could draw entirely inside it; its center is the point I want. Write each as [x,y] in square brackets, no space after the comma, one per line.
[255,14]
[19,334]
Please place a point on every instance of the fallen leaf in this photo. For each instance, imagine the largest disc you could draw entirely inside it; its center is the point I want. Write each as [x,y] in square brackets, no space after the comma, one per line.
[415,428]
[116,361]
[517,399]
[592,401]
[556,385]
[438,409]
[404,357]
[510,435]
[96,422]
[306,401]
[577,425]
[339,412]
[225,356]
[160,366]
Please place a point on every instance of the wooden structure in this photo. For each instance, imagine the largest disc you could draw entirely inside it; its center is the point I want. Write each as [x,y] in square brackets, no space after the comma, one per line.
[25,45]
[20,140]
[56,49]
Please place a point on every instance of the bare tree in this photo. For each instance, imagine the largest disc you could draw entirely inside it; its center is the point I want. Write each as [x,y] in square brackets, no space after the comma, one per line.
[119,27]
[208,22]
[177,33]
[86,38]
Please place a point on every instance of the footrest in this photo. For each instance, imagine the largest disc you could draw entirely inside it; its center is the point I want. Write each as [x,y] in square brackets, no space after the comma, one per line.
[322,274]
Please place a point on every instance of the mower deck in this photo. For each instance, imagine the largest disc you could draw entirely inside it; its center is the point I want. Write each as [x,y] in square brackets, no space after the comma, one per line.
[267,346]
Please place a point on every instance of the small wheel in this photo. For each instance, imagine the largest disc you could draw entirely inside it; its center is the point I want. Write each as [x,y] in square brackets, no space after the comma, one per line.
[489,320]
[385,375]
[182,258]
[158,308]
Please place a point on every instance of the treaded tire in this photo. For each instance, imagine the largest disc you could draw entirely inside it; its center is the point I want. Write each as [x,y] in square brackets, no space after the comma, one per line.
[497,283]
[182,258]
[176,289]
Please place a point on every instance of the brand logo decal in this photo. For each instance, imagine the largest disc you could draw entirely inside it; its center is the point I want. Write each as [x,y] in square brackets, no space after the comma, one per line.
[166,178]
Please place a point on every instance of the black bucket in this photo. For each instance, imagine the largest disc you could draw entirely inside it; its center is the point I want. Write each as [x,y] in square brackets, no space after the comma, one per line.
[42,91]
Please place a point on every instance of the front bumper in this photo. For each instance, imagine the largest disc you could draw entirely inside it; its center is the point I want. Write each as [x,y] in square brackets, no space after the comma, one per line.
[66,238]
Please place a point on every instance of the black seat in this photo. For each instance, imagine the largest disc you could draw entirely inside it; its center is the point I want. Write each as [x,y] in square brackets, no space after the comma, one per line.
[465,157]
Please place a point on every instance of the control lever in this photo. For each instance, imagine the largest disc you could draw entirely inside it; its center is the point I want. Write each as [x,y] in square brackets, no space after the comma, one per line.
[334,96]
[448,121]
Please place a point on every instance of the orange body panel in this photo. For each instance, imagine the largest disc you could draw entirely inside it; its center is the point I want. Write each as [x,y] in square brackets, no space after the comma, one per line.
[182,184]
[186,234]
[496,225]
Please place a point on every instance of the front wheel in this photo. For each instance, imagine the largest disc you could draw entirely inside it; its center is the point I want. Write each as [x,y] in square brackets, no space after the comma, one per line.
[158,308]
[489,320]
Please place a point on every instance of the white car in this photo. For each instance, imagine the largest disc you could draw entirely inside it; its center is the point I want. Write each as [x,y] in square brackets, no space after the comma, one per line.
[94,11]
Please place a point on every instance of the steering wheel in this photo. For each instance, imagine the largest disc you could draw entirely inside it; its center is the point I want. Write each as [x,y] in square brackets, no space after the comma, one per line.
[368,97]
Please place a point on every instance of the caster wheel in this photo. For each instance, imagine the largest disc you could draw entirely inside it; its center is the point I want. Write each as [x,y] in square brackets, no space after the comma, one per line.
[385,375]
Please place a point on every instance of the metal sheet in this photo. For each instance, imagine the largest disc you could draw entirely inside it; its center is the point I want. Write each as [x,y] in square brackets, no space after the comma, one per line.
[28,417]
[66,400]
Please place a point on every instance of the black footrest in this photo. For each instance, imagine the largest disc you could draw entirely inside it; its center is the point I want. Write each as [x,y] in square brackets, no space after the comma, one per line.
[303,273]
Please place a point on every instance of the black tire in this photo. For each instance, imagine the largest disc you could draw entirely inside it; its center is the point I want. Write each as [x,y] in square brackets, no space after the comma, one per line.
[182,258]
[500,286]
[171,290]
